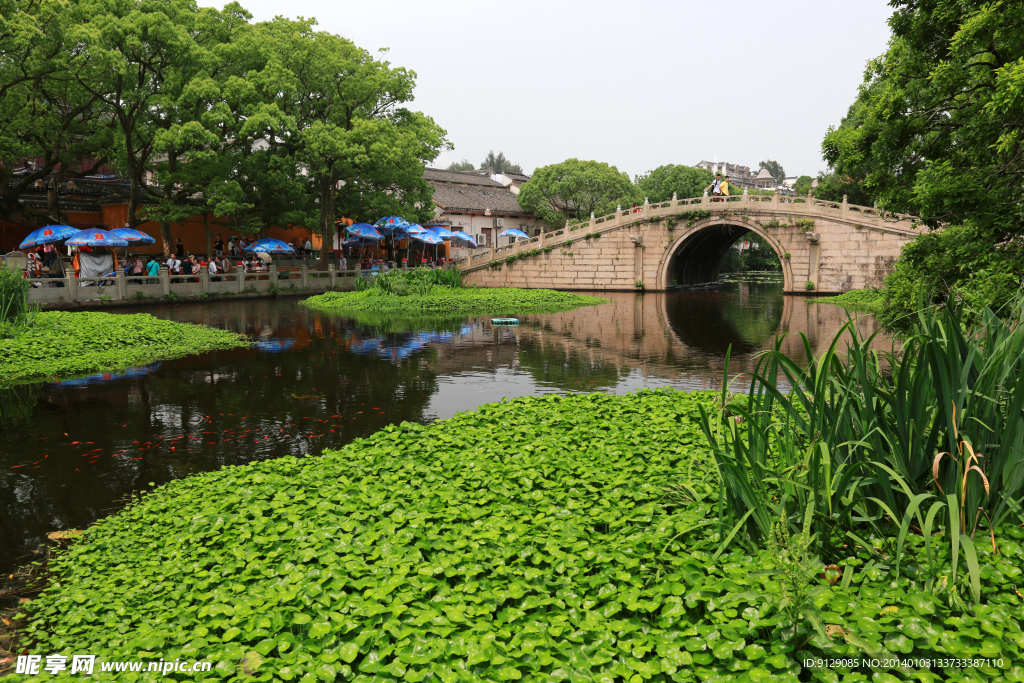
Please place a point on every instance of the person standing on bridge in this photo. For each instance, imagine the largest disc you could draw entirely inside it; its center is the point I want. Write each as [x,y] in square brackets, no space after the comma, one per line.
[725,187]
[715,186]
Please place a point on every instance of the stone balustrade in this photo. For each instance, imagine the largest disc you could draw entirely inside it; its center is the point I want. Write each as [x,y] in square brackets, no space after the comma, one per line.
[859,217]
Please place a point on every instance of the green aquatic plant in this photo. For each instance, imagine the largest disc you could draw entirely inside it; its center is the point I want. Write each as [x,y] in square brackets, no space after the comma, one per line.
[61,344]
[435,299]
[532,539]
[870,300]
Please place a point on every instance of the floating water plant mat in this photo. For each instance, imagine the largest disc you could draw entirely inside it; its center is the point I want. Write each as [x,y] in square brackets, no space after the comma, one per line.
[532,539]
[448,301]
[61,345]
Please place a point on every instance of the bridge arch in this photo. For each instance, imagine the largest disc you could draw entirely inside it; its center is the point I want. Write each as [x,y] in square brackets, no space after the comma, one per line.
[694,256]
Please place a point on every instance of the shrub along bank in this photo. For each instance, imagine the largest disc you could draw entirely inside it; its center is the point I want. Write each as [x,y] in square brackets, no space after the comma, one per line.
[440,300]
[540,539]
[870,300]
[59,344]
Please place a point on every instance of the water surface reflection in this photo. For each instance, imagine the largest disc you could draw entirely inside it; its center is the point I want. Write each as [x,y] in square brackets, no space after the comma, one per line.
[70,452]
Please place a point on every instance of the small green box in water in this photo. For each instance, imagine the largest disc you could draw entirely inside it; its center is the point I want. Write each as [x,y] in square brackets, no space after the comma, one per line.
[504,321]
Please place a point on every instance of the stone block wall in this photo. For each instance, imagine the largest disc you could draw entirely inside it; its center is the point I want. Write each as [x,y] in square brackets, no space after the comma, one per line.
[835,255]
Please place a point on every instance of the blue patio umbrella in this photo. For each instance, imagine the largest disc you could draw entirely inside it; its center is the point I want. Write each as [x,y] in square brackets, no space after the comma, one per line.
[392,225]
[416,229]
[512,232]
[464,239]
[364,230]
[95,237]
[359,242]
[441,231]
[428,238]
[46,235]
[270,246]
[133,235]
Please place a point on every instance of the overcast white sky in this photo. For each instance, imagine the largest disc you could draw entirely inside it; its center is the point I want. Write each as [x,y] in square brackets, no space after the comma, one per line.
[635,84]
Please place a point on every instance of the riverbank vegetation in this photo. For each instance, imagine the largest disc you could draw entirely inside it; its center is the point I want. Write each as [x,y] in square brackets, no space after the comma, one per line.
[869,300]
[59,345]
[542,538]
[935,132]
[427,292]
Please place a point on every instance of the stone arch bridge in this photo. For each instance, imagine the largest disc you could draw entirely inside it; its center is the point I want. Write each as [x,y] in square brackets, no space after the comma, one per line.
[822,246]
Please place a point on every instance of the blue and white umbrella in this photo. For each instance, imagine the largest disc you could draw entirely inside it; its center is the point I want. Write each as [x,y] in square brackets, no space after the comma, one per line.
[48,234]
[428,237]
[133,235]
[392,225]
[96,238]
[512,232]
[360,242]
[441,231]
[270,246]
[364,231]
[463,238]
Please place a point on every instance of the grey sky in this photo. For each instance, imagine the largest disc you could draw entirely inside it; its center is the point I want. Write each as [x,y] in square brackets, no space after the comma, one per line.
[635,84]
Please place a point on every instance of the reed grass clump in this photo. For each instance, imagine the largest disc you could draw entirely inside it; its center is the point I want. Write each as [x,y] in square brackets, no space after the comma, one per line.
[926,439]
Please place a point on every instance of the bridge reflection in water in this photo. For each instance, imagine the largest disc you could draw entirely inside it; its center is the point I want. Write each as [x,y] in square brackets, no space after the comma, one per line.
[655,339]
[70,451]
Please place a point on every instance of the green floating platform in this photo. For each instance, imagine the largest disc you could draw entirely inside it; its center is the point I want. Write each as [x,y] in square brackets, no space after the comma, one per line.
[504,321]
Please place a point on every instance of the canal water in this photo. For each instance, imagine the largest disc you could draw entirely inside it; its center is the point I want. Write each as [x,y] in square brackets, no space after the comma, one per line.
[74,451]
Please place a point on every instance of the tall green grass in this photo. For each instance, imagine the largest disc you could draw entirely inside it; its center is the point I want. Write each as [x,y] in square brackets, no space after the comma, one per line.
[927,438]
[418,281]
[13,296]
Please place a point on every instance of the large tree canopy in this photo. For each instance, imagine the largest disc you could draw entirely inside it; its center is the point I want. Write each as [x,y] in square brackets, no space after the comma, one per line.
[684,181]
[574,189]
[937,131]
[269,123]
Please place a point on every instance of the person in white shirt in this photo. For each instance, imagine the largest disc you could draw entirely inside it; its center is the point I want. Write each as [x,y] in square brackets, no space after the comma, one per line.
[170,264]
[307,248]
[212,267]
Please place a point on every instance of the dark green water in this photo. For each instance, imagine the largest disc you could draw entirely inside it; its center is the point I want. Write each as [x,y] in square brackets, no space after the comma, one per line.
[72,452]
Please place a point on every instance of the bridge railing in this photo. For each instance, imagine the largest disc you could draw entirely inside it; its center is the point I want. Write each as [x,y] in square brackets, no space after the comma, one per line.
[862,216]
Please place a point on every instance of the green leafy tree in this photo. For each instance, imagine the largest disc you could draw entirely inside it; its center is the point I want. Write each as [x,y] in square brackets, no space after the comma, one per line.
[803,185]
[362,149]
[684,181]
[499,164]
[464,165]
[832,187]
[142,58]
[775,168]
[936,132]
[202,120]
[573,189]
[49,124]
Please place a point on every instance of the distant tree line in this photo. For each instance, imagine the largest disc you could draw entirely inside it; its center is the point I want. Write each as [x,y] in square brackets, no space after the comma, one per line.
[262,123]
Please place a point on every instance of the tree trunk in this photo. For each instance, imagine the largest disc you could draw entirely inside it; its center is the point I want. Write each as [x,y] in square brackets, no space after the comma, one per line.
[133,204]
[209,239]
[165,233]
[326,219]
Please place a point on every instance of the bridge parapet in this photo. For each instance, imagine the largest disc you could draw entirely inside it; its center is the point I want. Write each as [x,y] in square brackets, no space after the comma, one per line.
[859,217]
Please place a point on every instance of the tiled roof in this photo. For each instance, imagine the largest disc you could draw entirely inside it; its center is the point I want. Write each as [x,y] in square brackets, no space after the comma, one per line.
[764,175]
[462,177]
[476,199]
